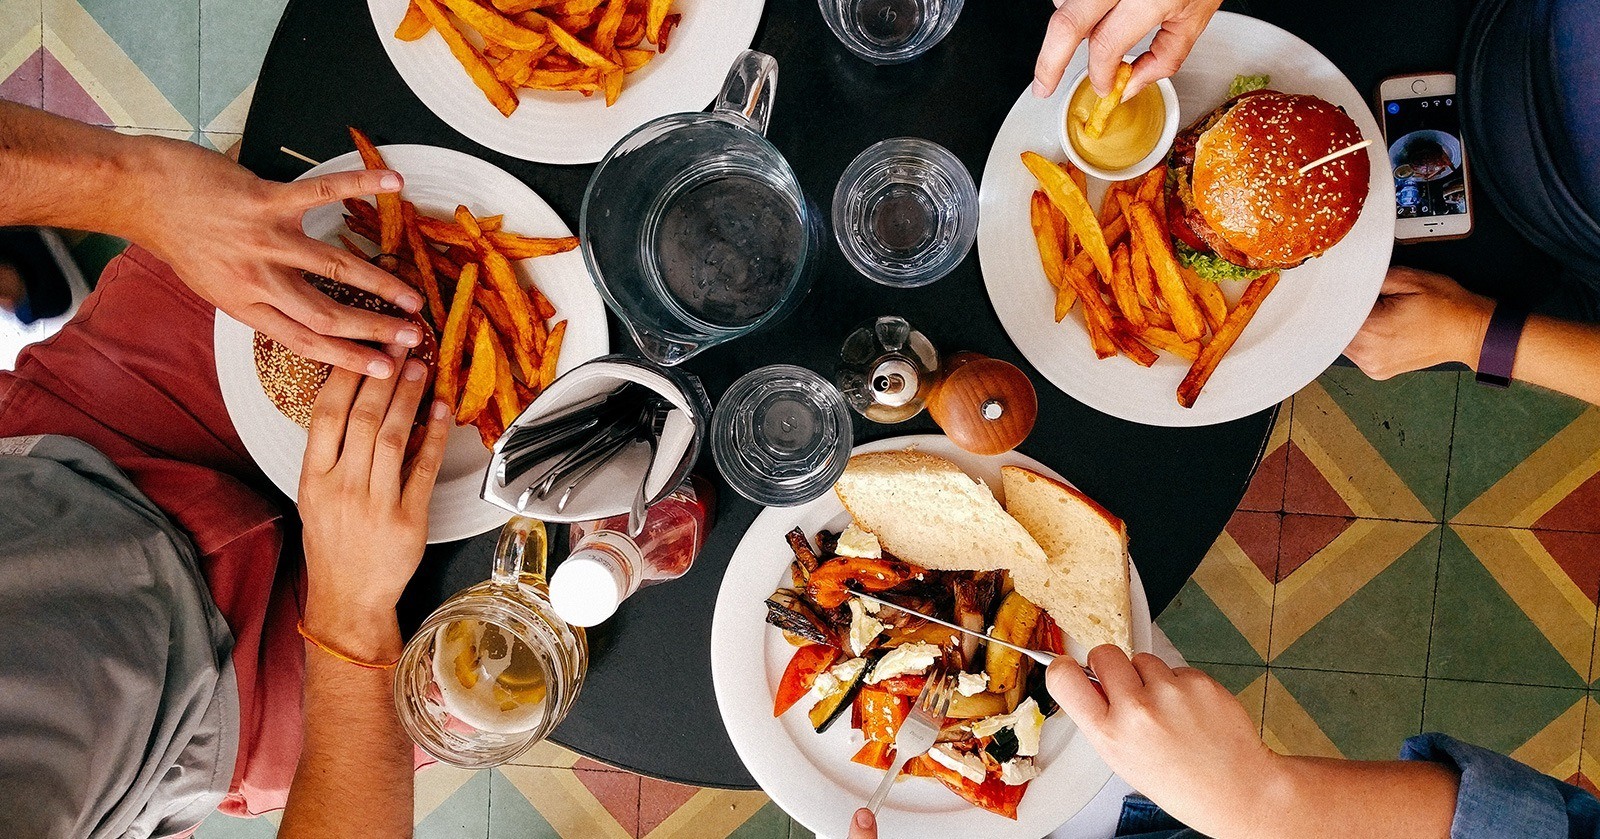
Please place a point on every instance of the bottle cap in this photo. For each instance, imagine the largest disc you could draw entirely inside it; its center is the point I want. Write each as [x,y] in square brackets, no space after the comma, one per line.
[587,588]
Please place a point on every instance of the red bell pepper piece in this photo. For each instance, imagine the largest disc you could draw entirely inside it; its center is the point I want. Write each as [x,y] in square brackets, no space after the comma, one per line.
[881,713]
[903,685]
[875,754]
[808,663]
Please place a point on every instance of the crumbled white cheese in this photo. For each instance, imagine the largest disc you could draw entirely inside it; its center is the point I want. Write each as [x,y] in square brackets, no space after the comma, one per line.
[859,543]
[872,606]
[838,678]
[972,684]
[1026,722]
[1018,771]
[969,766]
[864,628]
[904,660]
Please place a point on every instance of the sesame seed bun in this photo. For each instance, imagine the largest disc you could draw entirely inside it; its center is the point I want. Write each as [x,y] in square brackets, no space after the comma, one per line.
[1248,190]
[293,381]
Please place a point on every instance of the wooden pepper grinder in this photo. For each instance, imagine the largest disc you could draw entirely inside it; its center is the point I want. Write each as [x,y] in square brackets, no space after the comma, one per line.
[985,405]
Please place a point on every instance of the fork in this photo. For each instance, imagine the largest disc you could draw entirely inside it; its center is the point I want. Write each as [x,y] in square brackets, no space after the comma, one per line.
[919,731]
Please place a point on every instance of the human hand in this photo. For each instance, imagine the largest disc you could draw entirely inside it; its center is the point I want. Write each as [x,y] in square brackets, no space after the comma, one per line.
[863,825]
[1112,28]
[1177,736]
[1421,319]
[364,506]
[236,240]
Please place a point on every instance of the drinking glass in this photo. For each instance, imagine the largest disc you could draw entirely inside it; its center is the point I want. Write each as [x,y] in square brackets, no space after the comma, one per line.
[890,31]
[694,226]
[781,435]
[494,670]
[905,212]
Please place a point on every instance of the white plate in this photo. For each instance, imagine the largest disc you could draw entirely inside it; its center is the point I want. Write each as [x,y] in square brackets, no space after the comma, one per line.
[1304,324]
[810,775]
[436,180]
[564,126]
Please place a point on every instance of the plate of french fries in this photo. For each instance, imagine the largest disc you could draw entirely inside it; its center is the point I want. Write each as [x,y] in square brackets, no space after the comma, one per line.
[505,291]
[561,81]
[1083,275]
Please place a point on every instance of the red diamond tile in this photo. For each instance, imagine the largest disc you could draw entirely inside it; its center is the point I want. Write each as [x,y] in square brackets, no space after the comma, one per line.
[1582,781]
[618,792]
[1580,510]
[1578,554]
[1307,491]
[1302,537]
[658,800]
[1257,535]
[1266,486]
[64,96]
[25,84]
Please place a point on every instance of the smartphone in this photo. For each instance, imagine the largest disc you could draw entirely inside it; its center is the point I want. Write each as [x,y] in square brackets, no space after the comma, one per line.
[1422,127]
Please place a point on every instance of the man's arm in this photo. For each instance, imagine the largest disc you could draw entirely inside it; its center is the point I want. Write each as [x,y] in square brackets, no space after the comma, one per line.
[1424,319]
[232,237]
[360,498]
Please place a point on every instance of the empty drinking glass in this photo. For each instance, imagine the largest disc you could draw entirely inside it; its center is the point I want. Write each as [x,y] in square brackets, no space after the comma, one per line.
[890,31]
[781,435]
[905,212]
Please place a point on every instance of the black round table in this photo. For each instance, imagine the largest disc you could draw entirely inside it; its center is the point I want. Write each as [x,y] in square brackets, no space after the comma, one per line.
[648,703]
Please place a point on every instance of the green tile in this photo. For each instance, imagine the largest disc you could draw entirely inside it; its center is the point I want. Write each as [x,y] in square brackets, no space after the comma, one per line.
[1202,632]
[1481,635]
[798,831]
[1496,716]
[464,815]
[1382,628]
[233,42]
[769,822]
[1496,430]
[1366,716]
[1407,419]
[163,39]
[510,815]
[1234,677]
[218,826]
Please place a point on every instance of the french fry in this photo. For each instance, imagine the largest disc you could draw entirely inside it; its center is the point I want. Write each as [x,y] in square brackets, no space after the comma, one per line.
[1044,234]
[1078,176]
[669,23]
[1095,125]
[1186,317]
[1213,306]
[1166,339]
[633,59]
[1066,298]
[480,375]
[655,15]
[518,65]
[422,257]
[413,26]
[489,427]
[353,247]
[501,278]
[389,225]
[551,354]
[632,33]
[1096,315]
[568,42]
[1211,354]
[575,7]
[452,344]
[605,32]
[611,84]
[1122,291]
[1128,342]
[541,304]
[1067,198]
[500,95]
[1151,184]
[517,7]
[505,390]
[512,245]
[495,28]
[1144,282]
[527,367]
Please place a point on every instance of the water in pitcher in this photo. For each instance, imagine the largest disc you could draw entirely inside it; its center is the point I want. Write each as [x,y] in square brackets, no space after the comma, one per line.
[727,246]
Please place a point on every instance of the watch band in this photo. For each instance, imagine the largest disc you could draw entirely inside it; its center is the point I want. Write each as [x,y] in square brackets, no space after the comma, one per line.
[1499,353]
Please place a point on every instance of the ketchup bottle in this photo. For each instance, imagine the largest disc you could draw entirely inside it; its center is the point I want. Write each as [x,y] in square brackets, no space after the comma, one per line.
[606,567]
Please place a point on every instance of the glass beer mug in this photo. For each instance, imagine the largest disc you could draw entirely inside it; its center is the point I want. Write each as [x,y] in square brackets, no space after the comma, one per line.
[493,670]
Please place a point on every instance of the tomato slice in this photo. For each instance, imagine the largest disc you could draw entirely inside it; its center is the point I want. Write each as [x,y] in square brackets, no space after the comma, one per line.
[993,794]
[808,663]
[1051,638]
[903,685]
[875,754]
[881,713]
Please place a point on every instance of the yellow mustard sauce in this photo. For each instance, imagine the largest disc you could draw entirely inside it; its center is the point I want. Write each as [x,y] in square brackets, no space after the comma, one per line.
[1132,131]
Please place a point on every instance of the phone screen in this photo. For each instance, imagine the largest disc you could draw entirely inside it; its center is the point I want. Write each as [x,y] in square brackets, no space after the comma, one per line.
[1425,154]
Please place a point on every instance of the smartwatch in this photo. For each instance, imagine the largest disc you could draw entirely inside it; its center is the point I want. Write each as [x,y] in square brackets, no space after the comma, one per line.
[1499,353]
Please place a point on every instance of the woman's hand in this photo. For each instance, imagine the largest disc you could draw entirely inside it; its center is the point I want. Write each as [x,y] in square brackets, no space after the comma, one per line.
[1420,320]
[365,507]
[1177,736]
[1112,28]
[236,240]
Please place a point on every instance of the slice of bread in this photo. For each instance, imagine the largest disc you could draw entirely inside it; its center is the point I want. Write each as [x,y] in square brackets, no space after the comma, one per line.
[1084,584]
[926,511]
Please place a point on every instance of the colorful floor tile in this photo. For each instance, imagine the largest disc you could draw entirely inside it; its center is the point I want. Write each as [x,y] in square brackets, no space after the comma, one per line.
[1416,554]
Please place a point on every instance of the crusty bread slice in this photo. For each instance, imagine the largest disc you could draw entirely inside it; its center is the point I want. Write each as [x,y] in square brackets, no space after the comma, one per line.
[926,511]
[1084,584]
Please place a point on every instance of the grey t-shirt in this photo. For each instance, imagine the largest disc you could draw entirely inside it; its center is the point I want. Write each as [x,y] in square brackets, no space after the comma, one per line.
[119,710]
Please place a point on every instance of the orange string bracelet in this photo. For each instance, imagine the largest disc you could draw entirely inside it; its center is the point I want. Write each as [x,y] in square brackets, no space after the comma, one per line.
[315,642]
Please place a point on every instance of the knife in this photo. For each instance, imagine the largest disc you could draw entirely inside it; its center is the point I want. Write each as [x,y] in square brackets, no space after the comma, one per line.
[1037,655]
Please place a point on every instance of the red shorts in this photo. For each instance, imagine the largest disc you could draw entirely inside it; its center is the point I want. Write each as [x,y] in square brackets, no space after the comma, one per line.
[133,374]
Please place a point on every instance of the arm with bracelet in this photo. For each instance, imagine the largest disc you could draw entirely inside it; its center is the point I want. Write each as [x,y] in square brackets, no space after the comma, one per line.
[1424,319]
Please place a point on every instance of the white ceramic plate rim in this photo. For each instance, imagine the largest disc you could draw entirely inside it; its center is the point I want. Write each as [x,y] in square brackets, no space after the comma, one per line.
[437,179]
[810,776]
[1303,326]
[566,127]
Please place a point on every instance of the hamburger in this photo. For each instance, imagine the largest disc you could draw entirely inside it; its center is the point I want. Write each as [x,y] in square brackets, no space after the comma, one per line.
[293,381]
[1237,204]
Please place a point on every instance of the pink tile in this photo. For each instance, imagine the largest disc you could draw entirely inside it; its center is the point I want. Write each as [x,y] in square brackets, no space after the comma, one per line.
[63,95]
[25,85]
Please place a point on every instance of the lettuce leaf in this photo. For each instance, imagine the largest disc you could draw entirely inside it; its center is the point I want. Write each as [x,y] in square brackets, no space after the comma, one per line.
[1213,268]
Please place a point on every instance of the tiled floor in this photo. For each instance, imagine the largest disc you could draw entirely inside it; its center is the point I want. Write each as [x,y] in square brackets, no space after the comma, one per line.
[1416,554]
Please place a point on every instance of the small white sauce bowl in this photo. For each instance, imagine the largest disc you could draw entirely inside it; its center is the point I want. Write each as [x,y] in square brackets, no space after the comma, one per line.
[1169,130]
